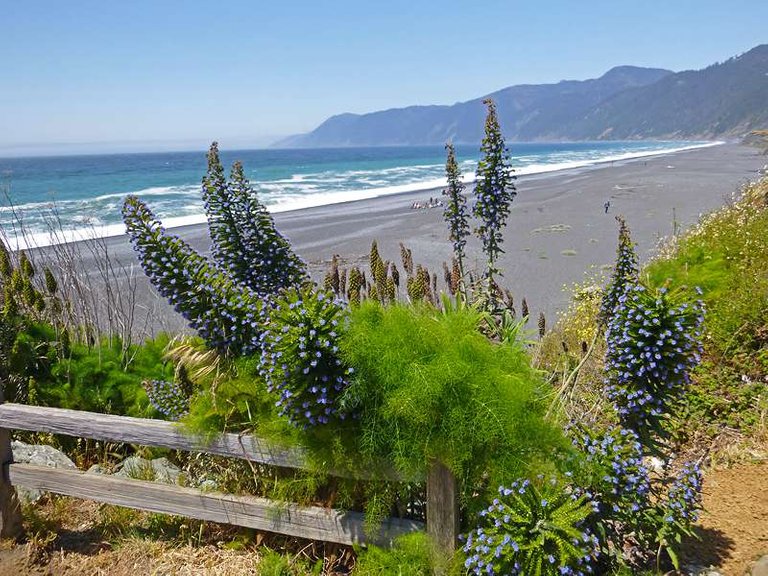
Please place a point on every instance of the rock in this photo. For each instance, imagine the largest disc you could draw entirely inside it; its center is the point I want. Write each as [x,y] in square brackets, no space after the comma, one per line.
[654,464]
[38,455]
[760,568]
[694,570]
[97,469]
[208,486]
[157,470]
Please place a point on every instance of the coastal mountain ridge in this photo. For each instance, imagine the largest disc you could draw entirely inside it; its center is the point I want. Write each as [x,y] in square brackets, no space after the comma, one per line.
[726,99]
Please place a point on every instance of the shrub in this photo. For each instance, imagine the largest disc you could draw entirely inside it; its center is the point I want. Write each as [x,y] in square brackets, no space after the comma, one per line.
[726,255]
[533,528]
[95,379]
[430,386]
[300,356]
[653,343]
[410,555]
[227,315]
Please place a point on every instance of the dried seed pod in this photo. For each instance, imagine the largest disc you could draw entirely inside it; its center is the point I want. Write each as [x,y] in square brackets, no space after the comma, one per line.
[26,266]
[50,281]
[407,258]
[391,292]
[395,274]
[542,325]
[455,276]
[328,281]
[526,312]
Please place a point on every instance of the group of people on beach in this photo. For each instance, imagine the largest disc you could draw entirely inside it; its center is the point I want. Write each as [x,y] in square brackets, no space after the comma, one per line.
[433,203]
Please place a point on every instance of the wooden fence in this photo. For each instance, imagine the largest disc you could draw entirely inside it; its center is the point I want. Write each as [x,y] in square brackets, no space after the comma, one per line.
[310,522]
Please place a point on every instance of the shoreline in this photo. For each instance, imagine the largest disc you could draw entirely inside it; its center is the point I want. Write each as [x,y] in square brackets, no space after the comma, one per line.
[36,240]
[556,233]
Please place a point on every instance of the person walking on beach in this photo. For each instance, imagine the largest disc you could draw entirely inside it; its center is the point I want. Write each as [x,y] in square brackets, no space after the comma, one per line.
[607,205]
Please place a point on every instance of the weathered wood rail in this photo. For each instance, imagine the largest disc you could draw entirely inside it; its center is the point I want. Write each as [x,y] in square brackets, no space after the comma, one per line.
[310,522]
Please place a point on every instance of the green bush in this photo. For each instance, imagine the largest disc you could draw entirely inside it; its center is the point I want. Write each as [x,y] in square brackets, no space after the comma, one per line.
[95,378]
[726,255]
[410,555]
[429,386]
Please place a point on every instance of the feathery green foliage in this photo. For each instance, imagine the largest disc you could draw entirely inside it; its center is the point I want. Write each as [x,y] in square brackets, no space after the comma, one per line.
[410,555]
[94,379]
[430,386]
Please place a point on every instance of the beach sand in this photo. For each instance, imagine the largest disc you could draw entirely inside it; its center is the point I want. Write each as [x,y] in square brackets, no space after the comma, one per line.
[556,233]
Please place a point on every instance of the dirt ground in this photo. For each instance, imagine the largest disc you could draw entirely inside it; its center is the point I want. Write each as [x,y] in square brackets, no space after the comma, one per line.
[734,525]
[733,530]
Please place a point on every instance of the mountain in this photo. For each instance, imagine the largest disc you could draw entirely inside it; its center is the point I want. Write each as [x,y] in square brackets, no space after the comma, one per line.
[727,99]
[627,102]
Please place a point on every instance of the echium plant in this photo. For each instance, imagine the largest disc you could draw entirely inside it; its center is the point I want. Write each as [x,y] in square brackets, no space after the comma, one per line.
[653,343]
[245,241]
[676,514]
[299,359]
[229,316]
[171,399]
[625,272]
[533,529]
[455,212]
[636,510]
[619,485]
[494,190]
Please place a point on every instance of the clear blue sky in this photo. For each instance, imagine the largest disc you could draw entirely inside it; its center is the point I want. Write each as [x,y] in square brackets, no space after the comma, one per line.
[160,74]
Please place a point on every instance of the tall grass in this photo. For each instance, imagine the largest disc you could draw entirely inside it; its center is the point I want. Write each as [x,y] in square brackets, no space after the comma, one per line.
[98,291]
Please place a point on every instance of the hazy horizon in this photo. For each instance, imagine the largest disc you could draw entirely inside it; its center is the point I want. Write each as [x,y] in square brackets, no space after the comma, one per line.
[94,78]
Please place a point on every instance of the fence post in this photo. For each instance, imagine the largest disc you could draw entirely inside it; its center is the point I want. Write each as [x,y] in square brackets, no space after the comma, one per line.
[10,510]
[442,507]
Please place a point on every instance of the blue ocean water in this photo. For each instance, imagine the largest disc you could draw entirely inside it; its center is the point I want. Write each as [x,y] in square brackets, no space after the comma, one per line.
[86,192]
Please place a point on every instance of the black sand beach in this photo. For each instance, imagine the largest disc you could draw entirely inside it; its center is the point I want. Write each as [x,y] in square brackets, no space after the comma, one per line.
[557,230]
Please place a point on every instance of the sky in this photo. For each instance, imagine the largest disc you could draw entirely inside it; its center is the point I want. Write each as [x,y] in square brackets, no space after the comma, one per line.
[95,76]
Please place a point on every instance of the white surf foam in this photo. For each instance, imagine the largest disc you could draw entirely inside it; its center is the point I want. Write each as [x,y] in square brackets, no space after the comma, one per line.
[279,199]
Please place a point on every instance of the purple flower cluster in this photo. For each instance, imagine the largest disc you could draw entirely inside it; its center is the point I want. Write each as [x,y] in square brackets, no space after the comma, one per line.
[455,212]
[227,315]
[653,342]
[494,190]
[683,502]
[625,272]
[168,398]
[299,359]
[530,529]
[245,241]
[622,485]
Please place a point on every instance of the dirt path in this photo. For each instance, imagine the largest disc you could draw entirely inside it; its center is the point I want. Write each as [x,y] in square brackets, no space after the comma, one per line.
[734,525]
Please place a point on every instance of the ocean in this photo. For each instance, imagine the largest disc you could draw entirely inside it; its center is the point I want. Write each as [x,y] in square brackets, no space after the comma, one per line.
[82,195]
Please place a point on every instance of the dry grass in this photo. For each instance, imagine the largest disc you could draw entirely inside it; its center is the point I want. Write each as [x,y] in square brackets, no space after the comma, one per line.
[72,537]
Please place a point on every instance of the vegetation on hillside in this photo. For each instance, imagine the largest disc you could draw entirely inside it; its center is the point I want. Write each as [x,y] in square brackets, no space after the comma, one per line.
[550,441]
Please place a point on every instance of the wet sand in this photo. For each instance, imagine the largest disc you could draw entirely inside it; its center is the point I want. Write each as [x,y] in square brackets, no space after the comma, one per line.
[556,233]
